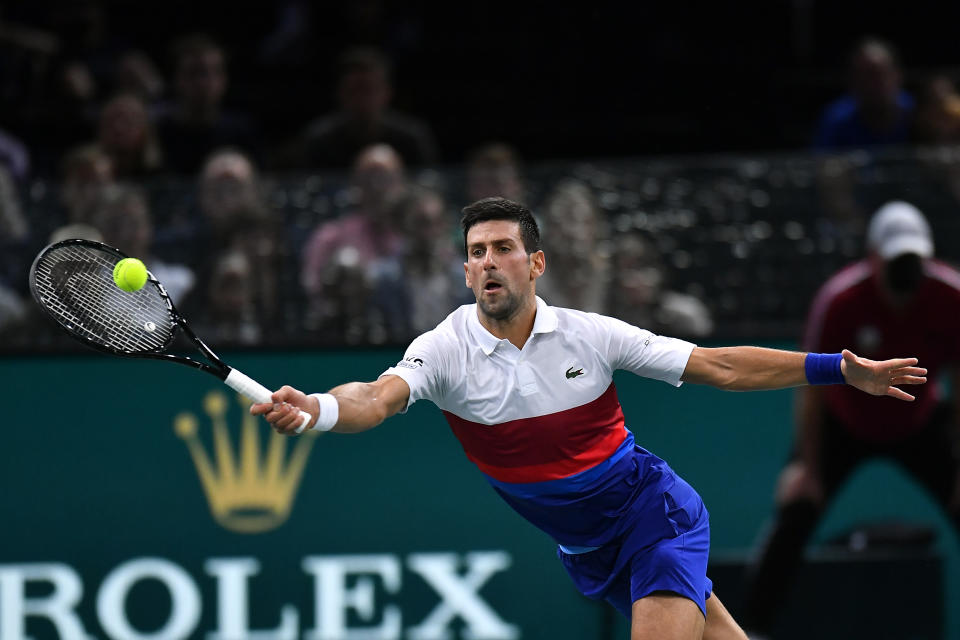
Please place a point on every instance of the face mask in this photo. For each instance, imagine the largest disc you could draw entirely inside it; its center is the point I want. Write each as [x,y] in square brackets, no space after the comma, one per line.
[904,273]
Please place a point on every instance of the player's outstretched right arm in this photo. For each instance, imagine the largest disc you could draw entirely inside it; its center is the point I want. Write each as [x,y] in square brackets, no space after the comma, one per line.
[361,405]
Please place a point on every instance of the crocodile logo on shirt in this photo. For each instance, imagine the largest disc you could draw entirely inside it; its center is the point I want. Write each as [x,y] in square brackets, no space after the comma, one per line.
[573,374]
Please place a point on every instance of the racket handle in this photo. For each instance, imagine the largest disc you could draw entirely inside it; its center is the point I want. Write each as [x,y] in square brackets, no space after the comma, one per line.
[247,386]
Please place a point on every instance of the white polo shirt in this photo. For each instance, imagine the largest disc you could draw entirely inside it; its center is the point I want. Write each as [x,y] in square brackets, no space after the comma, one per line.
[543,412]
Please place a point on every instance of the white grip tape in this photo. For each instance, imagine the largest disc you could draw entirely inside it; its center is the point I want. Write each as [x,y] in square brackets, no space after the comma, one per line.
[247,386]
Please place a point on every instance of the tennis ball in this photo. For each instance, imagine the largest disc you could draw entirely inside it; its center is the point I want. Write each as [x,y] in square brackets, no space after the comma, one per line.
[130,274]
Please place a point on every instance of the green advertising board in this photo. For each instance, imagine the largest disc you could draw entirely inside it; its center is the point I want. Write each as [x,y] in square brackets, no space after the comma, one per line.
[140,500]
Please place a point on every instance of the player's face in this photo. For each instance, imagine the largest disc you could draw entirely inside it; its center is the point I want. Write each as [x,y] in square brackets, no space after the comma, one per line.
[499,270]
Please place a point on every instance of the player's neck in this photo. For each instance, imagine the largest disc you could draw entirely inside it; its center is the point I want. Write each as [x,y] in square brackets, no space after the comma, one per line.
[517,328]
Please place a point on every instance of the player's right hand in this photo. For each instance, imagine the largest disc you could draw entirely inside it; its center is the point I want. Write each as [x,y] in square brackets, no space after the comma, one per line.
[283,414]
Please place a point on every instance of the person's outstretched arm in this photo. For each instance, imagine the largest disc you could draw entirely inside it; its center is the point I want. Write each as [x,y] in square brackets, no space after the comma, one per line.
[757,368]
[358,406]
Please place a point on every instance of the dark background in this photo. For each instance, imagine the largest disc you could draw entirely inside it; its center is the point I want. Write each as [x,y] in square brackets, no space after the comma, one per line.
[583,80]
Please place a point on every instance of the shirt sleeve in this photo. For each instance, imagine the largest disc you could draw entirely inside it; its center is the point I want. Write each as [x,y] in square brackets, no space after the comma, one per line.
[423,368]
[645,353]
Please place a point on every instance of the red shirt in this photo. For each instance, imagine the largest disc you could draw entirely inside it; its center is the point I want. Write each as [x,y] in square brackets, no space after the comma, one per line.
[850,312]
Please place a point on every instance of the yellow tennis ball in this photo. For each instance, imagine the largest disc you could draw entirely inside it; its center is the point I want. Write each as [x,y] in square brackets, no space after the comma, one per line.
[130,274]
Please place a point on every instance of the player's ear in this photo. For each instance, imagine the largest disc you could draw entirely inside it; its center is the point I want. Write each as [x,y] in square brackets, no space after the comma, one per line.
[466,275]
[538,263]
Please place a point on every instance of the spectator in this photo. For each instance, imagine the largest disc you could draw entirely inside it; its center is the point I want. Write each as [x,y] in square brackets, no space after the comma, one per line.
[89,39]
[229,188]
[938,124]
[579,273]
[364,118]
[877,110]
[13,310]
[345,314]
[494,170]
[640,296]
[228,197]
[14,157]
[369,229]
[13,224]
[77,93]
[897,300]
[87,175]
[123,219]
[258,237]
[50,82]
[87,56]
[14,233]
[938,114]
[196,123]
[126,135]
[234,218]
[417,291]
[228,314]
[28,52]
[136,73]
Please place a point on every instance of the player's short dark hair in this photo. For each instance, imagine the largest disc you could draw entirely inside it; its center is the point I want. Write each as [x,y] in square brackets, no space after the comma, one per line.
[502,209]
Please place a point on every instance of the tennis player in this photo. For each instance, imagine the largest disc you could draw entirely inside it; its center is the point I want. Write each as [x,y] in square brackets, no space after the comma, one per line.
[527,389]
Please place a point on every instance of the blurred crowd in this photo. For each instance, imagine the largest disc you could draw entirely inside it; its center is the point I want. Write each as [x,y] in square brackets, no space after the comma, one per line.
[110,144]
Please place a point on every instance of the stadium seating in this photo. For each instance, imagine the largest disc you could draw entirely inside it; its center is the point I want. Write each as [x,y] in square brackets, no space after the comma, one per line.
[751,237]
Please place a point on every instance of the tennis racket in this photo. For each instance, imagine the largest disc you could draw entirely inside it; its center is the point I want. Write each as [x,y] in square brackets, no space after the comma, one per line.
[72,281]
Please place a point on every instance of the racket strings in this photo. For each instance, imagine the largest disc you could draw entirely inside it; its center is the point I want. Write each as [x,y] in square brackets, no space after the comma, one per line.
[75,284]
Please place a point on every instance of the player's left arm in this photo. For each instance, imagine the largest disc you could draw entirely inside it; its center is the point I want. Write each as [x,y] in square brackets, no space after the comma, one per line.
[758,368]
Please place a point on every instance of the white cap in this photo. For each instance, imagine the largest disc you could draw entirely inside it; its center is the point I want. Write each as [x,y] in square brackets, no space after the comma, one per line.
[897,228]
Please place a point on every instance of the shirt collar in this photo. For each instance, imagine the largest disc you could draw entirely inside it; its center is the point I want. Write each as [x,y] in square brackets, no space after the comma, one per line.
[544,322]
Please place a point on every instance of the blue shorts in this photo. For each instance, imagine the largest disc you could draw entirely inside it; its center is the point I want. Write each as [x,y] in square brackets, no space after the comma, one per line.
[666,549]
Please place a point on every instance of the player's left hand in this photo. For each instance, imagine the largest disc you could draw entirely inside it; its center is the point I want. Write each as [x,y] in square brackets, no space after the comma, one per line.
[880,377]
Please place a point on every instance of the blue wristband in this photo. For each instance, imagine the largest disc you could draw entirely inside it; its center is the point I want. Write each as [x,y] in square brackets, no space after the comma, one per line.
[823,368]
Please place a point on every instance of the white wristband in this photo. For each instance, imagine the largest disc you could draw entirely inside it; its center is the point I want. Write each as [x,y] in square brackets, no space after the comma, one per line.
[329,411]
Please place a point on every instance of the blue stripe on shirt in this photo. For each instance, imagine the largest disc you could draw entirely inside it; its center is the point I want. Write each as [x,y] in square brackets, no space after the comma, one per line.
[571,484]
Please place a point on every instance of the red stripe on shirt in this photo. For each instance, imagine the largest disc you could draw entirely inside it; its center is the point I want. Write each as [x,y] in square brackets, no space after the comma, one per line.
[548,447]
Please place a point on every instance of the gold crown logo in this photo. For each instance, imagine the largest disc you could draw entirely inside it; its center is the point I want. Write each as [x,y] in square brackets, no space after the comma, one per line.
[247,492]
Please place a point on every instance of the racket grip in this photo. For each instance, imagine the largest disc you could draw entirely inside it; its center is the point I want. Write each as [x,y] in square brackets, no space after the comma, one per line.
[247,386]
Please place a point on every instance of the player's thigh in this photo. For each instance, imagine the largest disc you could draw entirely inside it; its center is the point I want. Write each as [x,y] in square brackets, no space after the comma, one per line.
[666,616]
[720,624]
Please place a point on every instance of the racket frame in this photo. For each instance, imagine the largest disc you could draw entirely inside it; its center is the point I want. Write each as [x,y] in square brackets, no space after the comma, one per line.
[215,367]
[233,378]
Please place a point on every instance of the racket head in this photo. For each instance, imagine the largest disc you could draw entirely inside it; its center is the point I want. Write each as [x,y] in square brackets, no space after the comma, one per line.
[72,281]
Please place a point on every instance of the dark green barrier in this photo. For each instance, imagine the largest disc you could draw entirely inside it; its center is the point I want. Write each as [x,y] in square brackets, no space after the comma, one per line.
[139,501]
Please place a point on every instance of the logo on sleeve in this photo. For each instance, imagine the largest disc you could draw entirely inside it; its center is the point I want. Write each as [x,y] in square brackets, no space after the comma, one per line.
[573,374]
[411,363]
